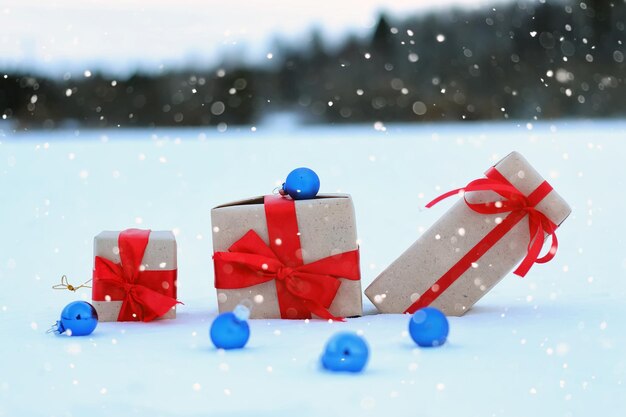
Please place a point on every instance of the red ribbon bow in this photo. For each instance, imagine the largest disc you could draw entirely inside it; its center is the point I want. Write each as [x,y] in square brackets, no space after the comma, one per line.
[145,294]
[303,289]
[518,206]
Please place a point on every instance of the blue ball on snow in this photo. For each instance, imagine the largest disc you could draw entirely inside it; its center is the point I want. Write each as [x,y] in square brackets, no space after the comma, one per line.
[345,352]
[231,330]
[429,327]
[302,184]
[78,318]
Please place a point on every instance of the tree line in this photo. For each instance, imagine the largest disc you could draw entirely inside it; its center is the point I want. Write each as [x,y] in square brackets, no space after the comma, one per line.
[520,60]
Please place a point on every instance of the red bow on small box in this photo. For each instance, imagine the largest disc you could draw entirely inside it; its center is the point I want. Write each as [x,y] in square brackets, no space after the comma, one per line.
[303,289]
[518,206]
[143,295]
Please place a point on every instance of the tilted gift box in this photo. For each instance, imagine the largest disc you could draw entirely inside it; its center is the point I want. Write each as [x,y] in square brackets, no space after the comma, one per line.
[134,277]
[475,243]
[288,259]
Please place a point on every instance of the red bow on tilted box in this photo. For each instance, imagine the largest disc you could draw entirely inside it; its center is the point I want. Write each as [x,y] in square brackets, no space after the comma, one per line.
[518,206]
[303,289]
[143,295]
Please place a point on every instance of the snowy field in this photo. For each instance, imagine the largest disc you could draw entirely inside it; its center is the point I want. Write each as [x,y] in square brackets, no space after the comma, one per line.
[547,345]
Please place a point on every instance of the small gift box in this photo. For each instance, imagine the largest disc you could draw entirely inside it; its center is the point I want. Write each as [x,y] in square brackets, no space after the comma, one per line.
[499,221]
[134,276]
[288,259]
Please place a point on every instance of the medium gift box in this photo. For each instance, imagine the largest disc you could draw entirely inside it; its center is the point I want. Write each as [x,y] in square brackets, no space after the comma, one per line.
[134,276]
[498,221]
[288,259]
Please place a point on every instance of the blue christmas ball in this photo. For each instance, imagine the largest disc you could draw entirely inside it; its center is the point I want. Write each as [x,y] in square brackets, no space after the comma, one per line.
[345,352]
[302,184]
[231,330]
[78,318]
[429,327]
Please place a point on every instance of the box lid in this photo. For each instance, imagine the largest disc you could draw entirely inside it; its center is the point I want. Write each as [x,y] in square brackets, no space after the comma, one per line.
[259,200]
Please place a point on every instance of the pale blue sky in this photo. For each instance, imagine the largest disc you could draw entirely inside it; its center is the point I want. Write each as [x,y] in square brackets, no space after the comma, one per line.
[121,35]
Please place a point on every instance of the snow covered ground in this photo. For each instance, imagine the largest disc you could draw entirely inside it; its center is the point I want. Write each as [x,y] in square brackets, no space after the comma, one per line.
[547,345]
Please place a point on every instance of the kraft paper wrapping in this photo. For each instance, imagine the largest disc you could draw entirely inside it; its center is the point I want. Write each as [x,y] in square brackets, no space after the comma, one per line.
[327,227]
[451,237]
[160,255]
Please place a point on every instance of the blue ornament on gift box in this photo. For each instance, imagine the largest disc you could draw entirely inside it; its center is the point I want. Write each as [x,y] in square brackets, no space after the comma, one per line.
[231,330]
[429,327]
[301,184]
[78,318]
[345,352]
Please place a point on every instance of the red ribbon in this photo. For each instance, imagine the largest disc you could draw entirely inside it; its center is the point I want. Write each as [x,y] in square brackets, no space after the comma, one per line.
[302,289]
[518,206]
[145,295]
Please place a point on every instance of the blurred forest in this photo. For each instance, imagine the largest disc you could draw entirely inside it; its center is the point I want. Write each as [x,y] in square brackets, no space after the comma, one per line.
[521,60]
